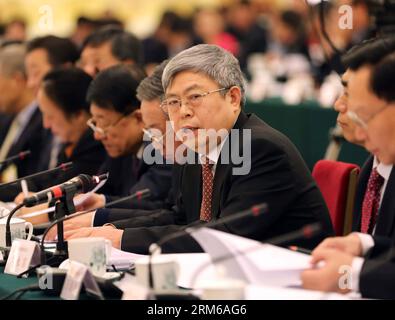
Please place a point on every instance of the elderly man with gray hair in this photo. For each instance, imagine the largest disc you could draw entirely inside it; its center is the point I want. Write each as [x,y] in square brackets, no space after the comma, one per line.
[22,128]
[238,161]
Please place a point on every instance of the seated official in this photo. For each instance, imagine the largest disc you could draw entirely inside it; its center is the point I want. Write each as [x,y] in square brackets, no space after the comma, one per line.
[369,259]
[149,93]
[107,47]
[21,126]
[62,101]
[117,124]
[239,168]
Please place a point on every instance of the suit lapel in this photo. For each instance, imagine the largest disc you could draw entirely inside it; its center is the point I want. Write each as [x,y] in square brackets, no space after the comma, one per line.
[222,169]
[192,194]
[385,220]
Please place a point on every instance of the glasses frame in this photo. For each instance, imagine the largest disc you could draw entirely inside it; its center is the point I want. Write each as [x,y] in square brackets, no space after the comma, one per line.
[165,108]
[103,131]
[362,123]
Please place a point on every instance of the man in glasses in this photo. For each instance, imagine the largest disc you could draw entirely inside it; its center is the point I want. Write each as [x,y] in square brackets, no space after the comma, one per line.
[204,94]
[369,268]
[117,123]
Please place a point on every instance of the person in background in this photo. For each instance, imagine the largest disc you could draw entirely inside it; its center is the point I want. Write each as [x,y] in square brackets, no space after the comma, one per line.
[62,101]
[43,55]
[368,256]
[107,47]
[117,124]
[22,128]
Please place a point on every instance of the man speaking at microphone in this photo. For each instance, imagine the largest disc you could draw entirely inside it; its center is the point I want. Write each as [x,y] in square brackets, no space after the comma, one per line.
[204,95]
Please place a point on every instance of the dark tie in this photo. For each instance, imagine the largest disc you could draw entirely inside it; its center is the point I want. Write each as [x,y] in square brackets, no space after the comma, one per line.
[205,209]
[371,202]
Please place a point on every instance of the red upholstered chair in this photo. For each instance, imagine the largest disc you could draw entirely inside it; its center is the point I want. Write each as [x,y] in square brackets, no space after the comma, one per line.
[337,182]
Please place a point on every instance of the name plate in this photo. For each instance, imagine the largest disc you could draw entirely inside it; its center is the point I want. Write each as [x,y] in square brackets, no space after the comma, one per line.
[77,275]
[24,254]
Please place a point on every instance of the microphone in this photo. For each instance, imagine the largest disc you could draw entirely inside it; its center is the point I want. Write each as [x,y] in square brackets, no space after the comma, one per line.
[80,184]
[141,194]
[155,247]
[63,167]
[20,156]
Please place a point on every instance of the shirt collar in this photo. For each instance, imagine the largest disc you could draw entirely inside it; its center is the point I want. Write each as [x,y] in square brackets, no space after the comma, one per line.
[140,152]
[383,169]
[24,116]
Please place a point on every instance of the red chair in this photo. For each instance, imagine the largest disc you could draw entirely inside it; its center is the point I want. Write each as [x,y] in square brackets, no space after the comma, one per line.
[338,182]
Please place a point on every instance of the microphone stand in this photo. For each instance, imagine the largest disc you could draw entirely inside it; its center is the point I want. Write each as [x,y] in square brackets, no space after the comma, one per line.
[63,207]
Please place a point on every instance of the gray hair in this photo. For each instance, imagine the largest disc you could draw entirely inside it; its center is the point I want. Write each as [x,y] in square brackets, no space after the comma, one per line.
[151,87]
[12,60]
[209,60]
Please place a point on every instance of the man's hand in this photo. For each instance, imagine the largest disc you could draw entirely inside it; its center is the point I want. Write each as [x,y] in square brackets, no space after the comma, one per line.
[82,221]
[350,244]
[328,276]
[94,201]
[21,196]
[108,232]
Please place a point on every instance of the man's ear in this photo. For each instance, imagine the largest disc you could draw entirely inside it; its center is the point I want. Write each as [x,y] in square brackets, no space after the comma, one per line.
[234,94]
[137,115]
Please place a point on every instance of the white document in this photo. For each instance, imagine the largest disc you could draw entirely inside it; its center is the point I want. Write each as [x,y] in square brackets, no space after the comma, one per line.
[252,261]
[122,260]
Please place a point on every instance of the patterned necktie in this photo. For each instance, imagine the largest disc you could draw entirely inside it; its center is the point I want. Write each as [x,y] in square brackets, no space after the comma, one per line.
[371,202]
[207,192]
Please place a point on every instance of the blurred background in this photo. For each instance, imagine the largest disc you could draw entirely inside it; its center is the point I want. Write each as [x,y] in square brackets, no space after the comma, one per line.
[289,50]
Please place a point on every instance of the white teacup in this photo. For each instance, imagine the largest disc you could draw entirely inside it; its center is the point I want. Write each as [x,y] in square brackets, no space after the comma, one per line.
[93,252]
[18,230]
[165,271]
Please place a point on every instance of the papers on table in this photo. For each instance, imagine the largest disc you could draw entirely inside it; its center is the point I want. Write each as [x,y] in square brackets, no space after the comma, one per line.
[252,261]
[122,260]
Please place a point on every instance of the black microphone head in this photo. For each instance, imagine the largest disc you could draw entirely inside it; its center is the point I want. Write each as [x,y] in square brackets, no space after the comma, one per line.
[87,183]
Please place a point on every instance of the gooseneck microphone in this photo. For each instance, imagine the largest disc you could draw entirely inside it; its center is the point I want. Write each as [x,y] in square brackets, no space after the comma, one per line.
[20,156]
[63,167]
[80,184]
[141,194]
[156,247]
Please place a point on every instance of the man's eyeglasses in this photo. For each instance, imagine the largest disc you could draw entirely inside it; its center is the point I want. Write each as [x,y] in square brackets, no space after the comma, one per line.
[363,123]
[194,100]
[103,130]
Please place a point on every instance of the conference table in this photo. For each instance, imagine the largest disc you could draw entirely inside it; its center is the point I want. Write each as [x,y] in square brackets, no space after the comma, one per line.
[307,125]
[10,283]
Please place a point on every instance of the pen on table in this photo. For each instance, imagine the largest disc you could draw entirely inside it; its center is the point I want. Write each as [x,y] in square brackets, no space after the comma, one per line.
[298,249]
[25,189]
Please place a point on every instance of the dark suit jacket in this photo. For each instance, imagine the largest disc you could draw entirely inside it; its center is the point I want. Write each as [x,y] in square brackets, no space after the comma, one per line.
[87,157]
[128,174]
[278,177]
[377,277]
[5,122]
[380,282]
[32,138]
